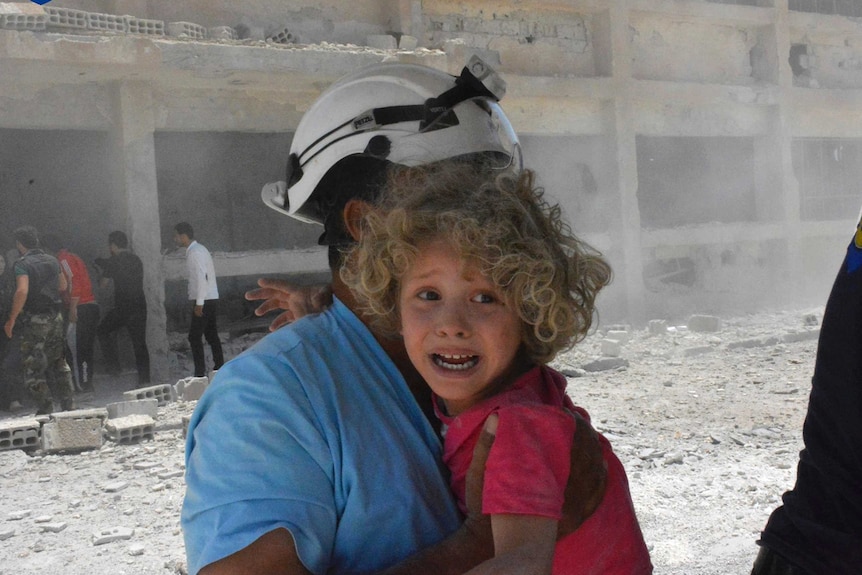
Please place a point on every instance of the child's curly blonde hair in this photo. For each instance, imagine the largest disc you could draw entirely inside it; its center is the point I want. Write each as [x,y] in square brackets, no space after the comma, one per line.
[500,221]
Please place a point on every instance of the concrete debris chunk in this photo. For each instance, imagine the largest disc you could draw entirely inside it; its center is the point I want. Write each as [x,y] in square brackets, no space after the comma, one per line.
[657,327]
[70,434]
[55,527]
[148,406]
[130,429]
[115,486]
[113,534]
[18,515]
[605,364]
[611,348]
[6,533]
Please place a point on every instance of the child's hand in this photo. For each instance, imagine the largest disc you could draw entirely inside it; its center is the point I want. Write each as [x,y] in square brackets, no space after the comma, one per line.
[296,301]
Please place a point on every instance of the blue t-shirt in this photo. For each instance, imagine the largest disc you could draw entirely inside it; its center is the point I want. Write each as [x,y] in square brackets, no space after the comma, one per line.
[314,430]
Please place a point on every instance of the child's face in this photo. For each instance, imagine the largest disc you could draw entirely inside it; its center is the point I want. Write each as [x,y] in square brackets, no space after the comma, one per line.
[458,331]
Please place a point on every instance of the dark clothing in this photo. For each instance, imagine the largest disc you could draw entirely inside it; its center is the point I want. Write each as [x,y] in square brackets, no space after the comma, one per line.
[130,311]
[819,527]
[770,563]
[135,321]
[43,272]
[127,272]
[205,326]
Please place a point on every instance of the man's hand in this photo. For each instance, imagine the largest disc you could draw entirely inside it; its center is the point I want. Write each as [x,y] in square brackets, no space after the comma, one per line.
[587,477]
[295,301]
[584,490]
[10,325]
[199,311]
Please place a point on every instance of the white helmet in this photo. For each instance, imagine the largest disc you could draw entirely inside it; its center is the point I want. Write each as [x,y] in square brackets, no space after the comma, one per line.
[400,113]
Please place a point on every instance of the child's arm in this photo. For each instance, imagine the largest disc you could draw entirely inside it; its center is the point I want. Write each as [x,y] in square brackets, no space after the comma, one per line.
[523,545]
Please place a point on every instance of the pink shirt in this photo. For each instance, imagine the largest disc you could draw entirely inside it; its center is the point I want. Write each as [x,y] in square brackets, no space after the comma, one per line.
[528,467]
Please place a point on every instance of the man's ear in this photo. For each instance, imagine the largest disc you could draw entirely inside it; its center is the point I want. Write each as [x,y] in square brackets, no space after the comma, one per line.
[354,211]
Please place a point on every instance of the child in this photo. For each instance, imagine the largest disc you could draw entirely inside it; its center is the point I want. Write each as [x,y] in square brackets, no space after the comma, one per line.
[486,284]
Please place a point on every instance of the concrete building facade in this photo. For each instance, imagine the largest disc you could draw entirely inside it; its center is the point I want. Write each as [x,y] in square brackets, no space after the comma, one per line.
[710,149]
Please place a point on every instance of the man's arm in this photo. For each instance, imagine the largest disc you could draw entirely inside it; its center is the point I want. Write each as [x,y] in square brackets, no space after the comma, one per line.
[273,553]
[22,288]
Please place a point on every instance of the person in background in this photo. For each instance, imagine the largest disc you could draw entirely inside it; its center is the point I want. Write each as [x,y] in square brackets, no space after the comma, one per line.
[486,283]
[818,529]
[36,314]
[126,271]
[11,385]
[203,292]
[82,311]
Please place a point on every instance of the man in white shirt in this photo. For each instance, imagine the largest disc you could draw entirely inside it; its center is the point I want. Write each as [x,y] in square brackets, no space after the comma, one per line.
[203,291]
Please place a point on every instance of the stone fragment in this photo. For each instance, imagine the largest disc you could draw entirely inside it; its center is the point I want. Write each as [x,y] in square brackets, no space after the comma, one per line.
[54,527]
[6,533]
[112,534]
[611,348]
[657,327]
[605,364]
[115,486]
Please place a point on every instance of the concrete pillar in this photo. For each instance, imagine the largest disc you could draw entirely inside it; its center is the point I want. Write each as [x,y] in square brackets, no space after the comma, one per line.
[136,151]
[782,140]
[628,227]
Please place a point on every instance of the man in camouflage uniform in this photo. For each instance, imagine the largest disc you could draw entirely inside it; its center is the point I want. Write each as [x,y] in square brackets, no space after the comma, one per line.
[36,314]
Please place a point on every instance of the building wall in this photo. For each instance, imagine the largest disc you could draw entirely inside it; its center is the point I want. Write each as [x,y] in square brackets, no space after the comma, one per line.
[708,148]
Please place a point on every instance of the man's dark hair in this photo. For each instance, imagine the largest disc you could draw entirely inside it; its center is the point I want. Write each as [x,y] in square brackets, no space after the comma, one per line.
[52,242]
[118,239]
[185,228]
[28,236]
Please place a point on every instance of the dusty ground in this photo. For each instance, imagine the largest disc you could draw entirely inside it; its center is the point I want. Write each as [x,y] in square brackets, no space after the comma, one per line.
[708,426]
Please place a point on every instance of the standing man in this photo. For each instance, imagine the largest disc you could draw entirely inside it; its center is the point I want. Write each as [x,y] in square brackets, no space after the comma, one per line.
[130,306]
[818,528]
[81,309]
[38,283]
[203,291]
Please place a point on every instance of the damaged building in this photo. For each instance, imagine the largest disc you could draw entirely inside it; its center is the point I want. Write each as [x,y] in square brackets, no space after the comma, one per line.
[712,150]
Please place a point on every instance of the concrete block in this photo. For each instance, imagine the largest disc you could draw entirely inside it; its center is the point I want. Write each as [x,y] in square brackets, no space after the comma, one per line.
[146,27]
[112,534]
[657,326]
[381,41]
[222,33]
[621,336]
[106,22]
[149,406]
[282,36]
[187,30]
[611,348]
[23,16]
[68,434]
[704,323]
[94,413]
[6,533]
[66,18]
[19,434]
[162,393]
[130,429]
[194,388]
[408,42]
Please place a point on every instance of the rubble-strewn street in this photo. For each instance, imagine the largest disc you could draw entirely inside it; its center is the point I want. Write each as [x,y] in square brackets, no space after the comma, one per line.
[708,425]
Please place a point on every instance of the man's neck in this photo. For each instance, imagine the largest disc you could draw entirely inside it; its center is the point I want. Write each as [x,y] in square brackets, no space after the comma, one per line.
[394,348]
